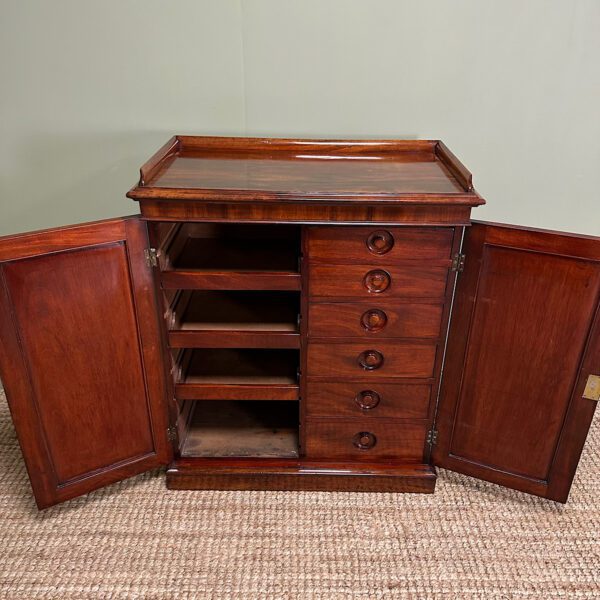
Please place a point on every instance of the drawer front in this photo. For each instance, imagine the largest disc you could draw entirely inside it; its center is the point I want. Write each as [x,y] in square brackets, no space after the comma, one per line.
[367,399]
[368,281]
[374,319]
[370,361]
[378,244]
[357,439]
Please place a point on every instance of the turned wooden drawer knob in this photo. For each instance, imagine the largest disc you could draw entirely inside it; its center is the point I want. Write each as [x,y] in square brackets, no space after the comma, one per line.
[373,320]
[364,440]
[370,360]
[377,281]
[380,242]
[367,399]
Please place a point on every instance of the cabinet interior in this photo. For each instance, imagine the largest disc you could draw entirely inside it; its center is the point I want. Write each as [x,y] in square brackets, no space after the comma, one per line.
[241,428]
[223,310]
[234,346]
[230,247]
[238,366]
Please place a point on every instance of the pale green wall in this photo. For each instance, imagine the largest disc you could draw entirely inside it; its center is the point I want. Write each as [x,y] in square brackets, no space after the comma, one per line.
[89,89]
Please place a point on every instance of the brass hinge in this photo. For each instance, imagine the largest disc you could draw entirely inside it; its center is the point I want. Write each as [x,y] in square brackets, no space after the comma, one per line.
[458,263]
[592,388]
[171,433]
[432,437]
[151,255]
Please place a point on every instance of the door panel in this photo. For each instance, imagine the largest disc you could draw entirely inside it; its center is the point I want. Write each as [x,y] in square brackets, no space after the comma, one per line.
[524,337]
[80,358]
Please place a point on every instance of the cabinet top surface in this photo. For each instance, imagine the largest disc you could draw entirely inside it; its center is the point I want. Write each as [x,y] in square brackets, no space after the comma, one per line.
[412,171]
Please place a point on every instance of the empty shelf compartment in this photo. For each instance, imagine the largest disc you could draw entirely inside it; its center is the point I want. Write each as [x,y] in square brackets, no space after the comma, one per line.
[247,319]
[231,247]
[232,374]
[241,429]
[211,256]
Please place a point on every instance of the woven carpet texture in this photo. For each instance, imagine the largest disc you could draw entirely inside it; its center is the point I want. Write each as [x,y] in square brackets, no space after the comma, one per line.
[136,539]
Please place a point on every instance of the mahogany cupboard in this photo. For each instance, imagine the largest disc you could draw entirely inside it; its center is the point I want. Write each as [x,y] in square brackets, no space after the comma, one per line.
[300,315]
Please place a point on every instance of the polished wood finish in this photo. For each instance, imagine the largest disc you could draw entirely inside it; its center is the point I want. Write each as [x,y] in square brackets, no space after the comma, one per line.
[153,165]
[215,338]
[378,303]
[382,360]
[299,475]
[458,170]
[269,170]
[61,239]
[304,304]
[341,245]
[304,291]
[305,181]
[300,174]
[380,241]
[212,257]
[393,281]
[200,319]
[233,374]
[82,369]
[368,440]
[524,338]
[230,280]
[386,400]
[236,391]
[156,209]
[392,319]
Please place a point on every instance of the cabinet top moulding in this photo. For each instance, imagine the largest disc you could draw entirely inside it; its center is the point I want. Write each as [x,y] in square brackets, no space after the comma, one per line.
[334,173]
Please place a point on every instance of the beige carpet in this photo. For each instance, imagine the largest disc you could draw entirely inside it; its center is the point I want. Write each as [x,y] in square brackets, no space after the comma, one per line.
[138,540]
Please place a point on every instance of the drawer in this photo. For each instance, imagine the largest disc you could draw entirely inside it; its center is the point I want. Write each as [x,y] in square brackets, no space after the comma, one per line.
[367,399]
[375,319]
[379,244]
[357,439]
[368,281]
[371,361]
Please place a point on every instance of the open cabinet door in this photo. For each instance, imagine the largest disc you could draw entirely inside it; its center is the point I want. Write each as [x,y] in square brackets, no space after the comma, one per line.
[80,356]
[524,341]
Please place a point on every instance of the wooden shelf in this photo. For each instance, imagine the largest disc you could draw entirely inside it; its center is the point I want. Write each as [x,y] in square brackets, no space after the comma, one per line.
[235,374]
[230,280]
[242,429]
[234,319]
[231,257]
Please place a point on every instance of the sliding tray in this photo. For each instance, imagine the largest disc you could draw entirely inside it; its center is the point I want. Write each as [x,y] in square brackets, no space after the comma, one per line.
[230,257]
[234,319]
[254,179]
[234,374]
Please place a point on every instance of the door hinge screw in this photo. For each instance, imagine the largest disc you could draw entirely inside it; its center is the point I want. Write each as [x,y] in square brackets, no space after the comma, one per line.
[151,255]
[458,263]
[171,433]
[432,437]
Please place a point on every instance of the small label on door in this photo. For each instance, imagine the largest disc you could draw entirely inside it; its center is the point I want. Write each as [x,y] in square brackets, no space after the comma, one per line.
[592,388]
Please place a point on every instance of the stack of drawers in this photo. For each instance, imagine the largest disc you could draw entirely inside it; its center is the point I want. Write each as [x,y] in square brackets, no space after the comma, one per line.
[375,316]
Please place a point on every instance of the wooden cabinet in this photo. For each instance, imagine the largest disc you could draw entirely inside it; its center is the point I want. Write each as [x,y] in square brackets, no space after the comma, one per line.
[297,314]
